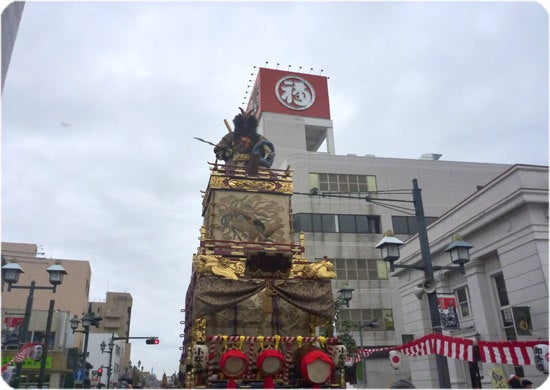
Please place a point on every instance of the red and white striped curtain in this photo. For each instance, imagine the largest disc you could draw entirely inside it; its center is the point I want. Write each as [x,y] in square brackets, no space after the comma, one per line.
[505,352]
[518,353]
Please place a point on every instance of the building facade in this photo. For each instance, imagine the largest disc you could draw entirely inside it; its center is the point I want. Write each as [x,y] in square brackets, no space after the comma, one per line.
[503,294]
[330,207]
[71,297]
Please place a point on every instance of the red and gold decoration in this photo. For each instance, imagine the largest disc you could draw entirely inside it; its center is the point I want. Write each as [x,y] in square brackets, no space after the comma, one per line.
[249,278]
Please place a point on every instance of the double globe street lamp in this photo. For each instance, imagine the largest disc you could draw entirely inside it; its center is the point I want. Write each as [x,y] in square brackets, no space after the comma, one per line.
[10,275]
[459,251]
[110,352]
[87,320]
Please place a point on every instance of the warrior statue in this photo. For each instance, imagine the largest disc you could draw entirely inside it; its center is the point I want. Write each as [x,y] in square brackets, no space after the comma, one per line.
[244,146]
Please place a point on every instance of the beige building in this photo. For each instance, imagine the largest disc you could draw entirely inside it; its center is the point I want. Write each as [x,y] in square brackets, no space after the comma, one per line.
[71,297]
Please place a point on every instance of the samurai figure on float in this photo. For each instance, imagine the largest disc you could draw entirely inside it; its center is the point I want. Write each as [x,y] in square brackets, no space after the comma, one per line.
[243,145]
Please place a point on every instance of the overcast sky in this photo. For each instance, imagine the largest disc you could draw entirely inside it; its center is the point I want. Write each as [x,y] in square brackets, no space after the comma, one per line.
[102,101]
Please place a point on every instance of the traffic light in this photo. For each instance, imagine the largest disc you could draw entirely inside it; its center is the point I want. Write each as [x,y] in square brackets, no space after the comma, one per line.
[152,340]
[94,320]
[100,371]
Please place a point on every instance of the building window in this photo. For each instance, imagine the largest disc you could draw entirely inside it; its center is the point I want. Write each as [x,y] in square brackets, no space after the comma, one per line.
[505,309]
[332,223]
[333,182]
[387,315]
[501,290]
[347,223]
[463,301]
[407,224]
[321,223]
[368,224]
[360,269]
[382,319]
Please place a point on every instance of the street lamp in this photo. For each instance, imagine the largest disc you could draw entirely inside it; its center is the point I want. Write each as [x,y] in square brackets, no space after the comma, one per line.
[110,352]
[346,293]
[10,275]
[458,249]
[88,319]
[11,272]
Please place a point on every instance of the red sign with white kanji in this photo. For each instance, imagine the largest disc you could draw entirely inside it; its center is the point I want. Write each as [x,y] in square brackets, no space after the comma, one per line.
[290,93]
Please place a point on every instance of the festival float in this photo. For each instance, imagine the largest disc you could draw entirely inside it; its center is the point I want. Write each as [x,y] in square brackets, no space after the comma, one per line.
[257,311]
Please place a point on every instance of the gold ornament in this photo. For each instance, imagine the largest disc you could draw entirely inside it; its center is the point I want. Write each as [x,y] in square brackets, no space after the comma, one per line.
[323,269]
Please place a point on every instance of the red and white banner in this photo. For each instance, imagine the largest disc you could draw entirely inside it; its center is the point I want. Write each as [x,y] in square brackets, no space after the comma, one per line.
[453,347]
[518,353]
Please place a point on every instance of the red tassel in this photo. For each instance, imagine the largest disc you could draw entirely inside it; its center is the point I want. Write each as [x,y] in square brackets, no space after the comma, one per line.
[269,383]
[231,383]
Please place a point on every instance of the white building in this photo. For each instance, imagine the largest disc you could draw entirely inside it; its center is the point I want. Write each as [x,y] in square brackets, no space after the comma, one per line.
[507,223]
[101,359]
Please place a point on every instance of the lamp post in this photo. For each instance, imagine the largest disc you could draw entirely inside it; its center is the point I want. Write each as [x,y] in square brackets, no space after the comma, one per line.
[10,274]
[346,293]
[363,363]
[342,332]
[88,319]
[46,345]
[110,352]
[371,324]
[389,247]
